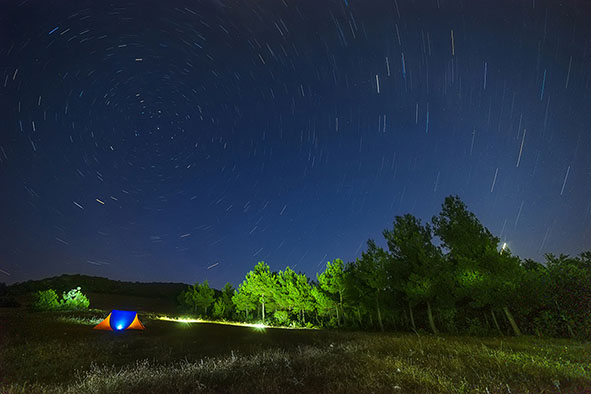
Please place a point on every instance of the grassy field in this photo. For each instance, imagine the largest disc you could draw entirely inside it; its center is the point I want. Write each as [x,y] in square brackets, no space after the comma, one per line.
[60,353]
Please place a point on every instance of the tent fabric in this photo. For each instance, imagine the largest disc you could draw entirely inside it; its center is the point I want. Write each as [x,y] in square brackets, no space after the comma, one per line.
[105,324]
[120,320]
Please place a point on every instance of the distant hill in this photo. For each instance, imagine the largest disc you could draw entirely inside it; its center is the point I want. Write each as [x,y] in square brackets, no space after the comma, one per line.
[95,284]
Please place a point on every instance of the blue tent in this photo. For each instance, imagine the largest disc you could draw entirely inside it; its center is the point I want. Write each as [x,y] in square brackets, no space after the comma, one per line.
[120,320]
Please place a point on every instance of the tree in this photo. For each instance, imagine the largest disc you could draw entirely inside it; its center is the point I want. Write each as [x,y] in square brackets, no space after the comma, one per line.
[485,275]
[304,301]
[243,300]
[223,307]
[281,317]
[219,309]
[260,283]
[293,293]
[46,300]
[325,305]
[369,279]
[199,297]
[332,283]
[569,292]
[286,291]
[226,300]
[417,265]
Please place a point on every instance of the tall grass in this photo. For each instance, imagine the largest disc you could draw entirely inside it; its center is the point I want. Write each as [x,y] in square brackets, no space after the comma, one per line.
[356,363]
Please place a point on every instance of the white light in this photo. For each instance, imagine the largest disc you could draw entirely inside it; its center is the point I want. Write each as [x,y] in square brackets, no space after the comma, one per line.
[120,326]
[180,320]
[504,245]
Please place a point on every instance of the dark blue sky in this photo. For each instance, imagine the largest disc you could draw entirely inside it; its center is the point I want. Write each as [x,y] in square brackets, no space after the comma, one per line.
[151,140]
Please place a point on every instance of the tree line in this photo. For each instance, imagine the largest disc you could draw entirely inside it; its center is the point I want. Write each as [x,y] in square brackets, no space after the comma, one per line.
[447,275]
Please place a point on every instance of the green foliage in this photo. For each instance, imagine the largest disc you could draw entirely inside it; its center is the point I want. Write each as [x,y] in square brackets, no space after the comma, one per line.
[464,283]
[223,307]
[74,300]
[294,293]
[244,300]
[198,298]
[219,309]
[332,283]
[46,300]
[325,305]
[282,318]
[260,285]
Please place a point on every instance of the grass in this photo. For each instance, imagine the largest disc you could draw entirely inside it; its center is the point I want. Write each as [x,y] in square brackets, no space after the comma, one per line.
[60,353]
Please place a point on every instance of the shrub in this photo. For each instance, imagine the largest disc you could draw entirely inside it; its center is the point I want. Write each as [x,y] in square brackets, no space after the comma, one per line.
[46,300]
[281,317]
[74,300]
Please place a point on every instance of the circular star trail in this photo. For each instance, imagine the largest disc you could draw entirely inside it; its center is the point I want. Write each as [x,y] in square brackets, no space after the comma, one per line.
[187,140]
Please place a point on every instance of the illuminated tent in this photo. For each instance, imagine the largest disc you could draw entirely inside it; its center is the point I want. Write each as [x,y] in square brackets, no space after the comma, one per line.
[120,320]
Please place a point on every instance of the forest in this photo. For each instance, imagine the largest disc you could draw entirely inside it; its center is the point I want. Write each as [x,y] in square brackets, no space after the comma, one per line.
[450,275]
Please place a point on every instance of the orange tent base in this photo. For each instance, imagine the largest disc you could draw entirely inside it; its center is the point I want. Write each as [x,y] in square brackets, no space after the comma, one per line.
[119,321]
[136,324]
[105,324]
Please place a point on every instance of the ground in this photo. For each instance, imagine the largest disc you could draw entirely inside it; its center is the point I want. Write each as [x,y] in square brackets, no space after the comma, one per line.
[59,352]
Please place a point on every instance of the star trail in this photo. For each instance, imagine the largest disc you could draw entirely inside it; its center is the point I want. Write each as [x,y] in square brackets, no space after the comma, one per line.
[187,140]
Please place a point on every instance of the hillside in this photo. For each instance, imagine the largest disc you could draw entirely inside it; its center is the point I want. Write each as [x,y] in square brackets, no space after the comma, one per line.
[94,284]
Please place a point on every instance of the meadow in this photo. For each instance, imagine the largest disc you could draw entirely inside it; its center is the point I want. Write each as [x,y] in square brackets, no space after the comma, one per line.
[58,352]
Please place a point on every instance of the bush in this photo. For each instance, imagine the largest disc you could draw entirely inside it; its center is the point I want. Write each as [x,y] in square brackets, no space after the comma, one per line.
[46,300]
[74,300]
[281,317]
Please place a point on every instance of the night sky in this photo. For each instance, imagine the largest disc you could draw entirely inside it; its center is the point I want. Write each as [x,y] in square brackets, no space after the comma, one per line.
[187,140]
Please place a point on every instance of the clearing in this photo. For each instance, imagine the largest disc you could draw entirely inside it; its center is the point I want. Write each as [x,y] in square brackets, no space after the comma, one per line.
[59,352]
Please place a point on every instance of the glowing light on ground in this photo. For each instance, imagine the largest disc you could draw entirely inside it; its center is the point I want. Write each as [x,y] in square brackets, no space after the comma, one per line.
[257,326]
[180,320]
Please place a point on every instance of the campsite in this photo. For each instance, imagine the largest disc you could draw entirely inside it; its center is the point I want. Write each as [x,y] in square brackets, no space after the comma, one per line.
[293,197]
[59,352]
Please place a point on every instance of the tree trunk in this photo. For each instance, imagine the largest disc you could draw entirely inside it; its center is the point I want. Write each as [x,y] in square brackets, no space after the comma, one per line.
[412,318]
[492,312]
[359,317]
[379,314]
[263,304]
[338,319]
[431,322]
[486,320]
[512,321]
[341,305]
[370,320]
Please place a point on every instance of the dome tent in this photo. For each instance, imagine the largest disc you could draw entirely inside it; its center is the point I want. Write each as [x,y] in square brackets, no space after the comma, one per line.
[119,321]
